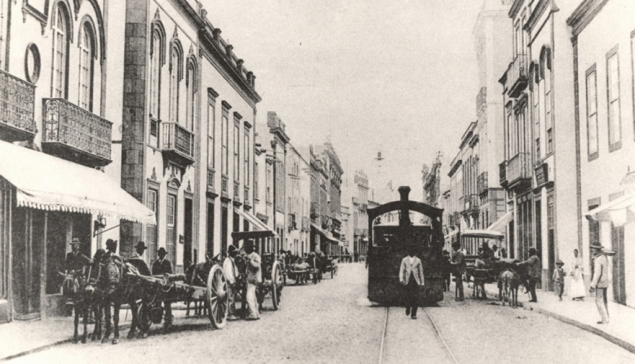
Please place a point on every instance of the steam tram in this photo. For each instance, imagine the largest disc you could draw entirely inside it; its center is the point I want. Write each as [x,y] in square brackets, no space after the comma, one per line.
[388,245]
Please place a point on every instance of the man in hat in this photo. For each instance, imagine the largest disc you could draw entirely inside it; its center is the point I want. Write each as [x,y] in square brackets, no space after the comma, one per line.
[458,265]
[600,281]
[160,267]
[75,260]
[111,251]
[533,268]
[232,275]
[254,277]
[137,259]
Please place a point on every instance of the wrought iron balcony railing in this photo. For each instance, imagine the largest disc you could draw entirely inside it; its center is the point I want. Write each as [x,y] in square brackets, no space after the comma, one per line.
[517,75]
[17,104]
[210,180]
[502,173]
[518,168]
[482,183]
[236,191]
[76,134]
[177,143]
[224,186]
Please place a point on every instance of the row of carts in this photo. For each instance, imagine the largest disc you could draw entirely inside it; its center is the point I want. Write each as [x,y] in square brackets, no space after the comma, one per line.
[206,287]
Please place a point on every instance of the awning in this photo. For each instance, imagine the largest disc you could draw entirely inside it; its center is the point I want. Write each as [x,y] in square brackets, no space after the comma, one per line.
[486,234]
[254,221]
[326,234]
[49,183]
[620,211]
[501,224]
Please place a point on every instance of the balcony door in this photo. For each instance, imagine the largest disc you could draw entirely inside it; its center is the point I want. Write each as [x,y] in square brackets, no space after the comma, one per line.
[171,228]
[618,276]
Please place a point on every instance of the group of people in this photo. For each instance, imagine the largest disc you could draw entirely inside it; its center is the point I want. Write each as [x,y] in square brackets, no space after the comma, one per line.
[533,268]
[236,280]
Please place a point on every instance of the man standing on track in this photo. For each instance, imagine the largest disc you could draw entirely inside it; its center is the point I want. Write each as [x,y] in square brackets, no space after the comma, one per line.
[458,263]
[160,267]
[411,276]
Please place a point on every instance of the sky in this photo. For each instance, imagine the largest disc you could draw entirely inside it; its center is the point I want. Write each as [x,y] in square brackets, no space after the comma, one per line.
[392,75]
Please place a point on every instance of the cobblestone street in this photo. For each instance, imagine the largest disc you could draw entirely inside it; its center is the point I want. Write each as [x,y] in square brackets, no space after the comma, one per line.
[331,323]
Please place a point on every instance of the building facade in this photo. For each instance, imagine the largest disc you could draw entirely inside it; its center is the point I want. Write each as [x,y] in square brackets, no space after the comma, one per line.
[539,121]
[188,131]
[603,56]
[298,186]
[59,81]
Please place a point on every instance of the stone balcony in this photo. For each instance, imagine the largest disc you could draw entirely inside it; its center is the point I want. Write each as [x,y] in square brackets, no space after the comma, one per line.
[177,144]
[17,104]
[519,171]
[75,134]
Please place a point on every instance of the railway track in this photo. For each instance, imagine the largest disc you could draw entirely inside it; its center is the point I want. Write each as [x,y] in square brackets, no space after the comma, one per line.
[435,328]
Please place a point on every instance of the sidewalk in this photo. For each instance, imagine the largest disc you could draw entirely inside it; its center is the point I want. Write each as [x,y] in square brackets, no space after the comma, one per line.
[582,314]
[24,337]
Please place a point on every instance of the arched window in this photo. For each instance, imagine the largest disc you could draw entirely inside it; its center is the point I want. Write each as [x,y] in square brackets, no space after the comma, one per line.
[86,57]
[175,62]
[59,31]
[191,95]
[155,75]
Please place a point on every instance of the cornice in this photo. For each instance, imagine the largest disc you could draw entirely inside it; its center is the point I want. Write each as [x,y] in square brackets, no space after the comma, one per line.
[536,14]
[584,14]
[513,11]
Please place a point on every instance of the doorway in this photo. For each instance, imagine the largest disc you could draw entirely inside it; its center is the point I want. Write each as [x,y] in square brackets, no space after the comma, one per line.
[619,276]
[210,228]
[28,243]
[187,232]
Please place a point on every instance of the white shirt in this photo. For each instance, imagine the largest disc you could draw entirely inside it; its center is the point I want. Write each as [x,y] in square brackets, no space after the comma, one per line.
[230,270]
[411,259]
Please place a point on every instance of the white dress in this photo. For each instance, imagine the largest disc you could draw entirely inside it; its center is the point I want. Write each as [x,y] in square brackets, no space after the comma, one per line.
[576,286]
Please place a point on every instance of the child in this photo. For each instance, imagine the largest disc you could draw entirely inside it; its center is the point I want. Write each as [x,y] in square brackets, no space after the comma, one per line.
[558,278]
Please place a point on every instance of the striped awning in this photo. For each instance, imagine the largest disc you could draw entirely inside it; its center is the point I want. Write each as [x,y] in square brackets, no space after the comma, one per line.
[254,221]
[49,183]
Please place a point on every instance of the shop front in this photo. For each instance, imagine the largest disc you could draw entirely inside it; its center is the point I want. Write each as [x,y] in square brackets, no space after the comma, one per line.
[45,202]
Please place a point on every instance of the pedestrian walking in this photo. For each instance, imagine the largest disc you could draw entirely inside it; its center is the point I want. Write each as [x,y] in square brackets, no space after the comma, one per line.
[160,267]
[254,277]
[411,276]
[233,282]
[458,263]
[533,268]
[558,278]
[577,291]
[600,281]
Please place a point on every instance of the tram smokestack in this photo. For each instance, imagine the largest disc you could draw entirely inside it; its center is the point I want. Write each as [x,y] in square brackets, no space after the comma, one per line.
[404,216]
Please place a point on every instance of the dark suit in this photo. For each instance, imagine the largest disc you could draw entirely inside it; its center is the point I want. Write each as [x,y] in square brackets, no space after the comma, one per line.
[459,270]
[161,267]
[75,261]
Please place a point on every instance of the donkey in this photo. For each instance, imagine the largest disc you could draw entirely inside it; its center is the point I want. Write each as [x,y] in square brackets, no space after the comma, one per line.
[118,289]
[78,285]
[509,281]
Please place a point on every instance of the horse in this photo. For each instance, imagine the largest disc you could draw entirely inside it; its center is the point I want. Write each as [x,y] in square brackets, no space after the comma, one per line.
[509,281]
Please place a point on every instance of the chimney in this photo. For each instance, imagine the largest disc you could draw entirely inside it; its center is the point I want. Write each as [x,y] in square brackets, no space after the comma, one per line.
[404,218]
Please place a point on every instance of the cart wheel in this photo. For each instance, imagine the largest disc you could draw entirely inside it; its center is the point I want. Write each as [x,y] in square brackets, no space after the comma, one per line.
[277,283]
[217,297]
[143,317]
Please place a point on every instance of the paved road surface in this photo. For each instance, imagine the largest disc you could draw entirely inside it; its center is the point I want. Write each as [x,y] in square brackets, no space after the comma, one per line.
[332,323]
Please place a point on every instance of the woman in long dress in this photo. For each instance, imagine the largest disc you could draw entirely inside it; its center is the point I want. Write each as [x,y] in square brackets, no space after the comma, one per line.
[577,291]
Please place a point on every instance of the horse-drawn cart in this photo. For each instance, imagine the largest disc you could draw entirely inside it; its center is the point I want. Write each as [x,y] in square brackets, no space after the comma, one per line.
[171,288]
[271,268]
